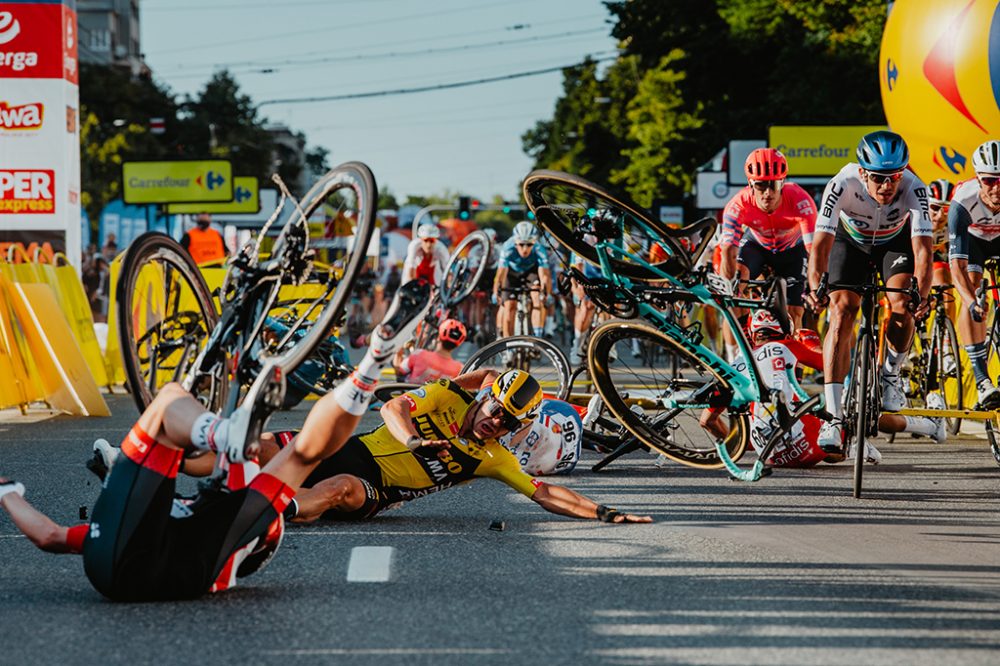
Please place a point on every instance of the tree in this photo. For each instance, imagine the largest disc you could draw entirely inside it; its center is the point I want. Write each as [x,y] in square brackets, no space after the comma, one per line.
[103,149]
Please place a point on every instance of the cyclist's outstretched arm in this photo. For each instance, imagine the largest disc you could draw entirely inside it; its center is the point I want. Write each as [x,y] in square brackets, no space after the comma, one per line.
[477,379]
[819,261]
[39,528]
[565,502]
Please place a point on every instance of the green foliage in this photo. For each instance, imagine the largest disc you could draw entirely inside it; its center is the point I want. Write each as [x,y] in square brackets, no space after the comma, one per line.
[694,74]
[103,148]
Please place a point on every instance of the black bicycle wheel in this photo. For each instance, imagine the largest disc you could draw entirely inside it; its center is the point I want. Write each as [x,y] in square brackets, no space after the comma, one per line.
[387,391]
[465,268]
[669,404]
[305,315]
[165,313]
[546,362]
[945,370]
[863,374]
[579,214]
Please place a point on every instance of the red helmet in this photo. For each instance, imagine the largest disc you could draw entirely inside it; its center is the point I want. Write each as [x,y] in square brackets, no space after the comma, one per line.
[766,164]
[762,321]
[941,191]
[452,330]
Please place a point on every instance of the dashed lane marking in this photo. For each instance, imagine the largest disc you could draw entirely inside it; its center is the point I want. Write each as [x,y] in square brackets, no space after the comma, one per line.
[370,564]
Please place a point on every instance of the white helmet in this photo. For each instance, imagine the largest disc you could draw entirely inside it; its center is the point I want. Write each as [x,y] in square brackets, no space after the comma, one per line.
[525,232]
[986,158]
[428,231]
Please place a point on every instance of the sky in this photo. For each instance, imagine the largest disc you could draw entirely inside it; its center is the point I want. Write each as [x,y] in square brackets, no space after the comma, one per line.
[462,140]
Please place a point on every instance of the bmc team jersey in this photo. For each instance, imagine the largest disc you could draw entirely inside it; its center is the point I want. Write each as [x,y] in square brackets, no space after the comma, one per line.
[776,362]
[424,366]
[969,216]
[790,224]
[437,411]
[512,260]
[429,266]
[846,203]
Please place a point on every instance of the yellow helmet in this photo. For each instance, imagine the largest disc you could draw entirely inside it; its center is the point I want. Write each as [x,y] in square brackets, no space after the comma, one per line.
[519,394]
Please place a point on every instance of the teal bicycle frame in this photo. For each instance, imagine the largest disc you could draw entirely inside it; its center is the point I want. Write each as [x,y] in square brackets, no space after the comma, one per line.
[746,388]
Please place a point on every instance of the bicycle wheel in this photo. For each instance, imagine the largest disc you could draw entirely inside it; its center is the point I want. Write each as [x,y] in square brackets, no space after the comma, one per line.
[387,391]
[660,407]
[546,362]
[309,311]
[579,214]
[465,268]
[165,313]
[863,375]
[944,370]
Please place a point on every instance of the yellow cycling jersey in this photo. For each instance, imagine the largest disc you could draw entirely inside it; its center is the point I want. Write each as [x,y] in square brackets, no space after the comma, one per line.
[438,410]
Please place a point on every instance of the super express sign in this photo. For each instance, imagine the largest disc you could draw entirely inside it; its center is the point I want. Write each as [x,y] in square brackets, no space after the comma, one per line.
[27,191]
[177,182]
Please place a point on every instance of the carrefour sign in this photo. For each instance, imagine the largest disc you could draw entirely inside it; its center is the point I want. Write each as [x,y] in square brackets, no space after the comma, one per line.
[246,199]
[817,150]
[177,181]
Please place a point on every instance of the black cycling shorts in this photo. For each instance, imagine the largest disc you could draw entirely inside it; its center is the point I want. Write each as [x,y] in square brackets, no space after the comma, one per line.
[137,551]
[528,280]
[355,459]
[850,262]
[790,264]
[486,281]
[979,251]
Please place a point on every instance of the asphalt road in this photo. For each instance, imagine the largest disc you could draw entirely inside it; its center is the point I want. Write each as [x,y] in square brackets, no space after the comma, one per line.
[791,570]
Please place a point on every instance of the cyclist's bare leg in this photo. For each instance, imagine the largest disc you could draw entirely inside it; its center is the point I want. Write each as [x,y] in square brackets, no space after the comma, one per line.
[342,493]
[538,310]
[844,306]
[509,312]
[900,324]
[795,314]
[971,332]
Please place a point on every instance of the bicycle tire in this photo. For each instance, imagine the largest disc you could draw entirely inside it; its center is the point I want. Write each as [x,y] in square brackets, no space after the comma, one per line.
[386,391]
[453,293]
[656,432]
[564,205]
[946,344]
[520,347]
[138,268]
[863,375]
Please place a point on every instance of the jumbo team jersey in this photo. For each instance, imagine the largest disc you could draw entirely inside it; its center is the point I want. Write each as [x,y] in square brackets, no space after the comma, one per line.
[847,204]
[437,411]
[790,224]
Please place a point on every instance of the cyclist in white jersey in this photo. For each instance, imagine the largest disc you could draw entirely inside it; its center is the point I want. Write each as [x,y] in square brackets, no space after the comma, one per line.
[873,213]
[974,233]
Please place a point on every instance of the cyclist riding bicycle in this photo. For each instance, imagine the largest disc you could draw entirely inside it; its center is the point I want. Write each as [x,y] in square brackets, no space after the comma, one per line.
[423,365]
[426,256]
[974,231]
[524,264]
[873,214]
[779,218]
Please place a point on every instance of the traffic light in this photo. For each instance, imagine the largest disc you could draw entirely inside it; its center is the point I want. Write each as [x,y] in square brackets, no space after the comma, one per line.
[463,207]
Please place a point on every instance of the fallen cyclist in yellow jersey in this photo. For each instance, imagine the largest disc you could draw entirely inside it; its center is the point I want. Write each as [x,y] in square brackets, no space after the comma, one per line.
[435,437]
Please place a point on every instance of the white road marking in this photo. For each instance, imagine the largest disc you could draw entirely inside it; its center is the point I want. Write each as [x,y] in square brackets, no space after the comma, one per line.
[386,651]
[370,564]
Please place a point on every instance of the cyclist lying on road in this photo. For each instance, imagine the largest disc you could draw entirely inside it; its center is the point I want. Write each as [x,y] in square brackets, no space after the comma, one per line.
[139,545]
[777,357]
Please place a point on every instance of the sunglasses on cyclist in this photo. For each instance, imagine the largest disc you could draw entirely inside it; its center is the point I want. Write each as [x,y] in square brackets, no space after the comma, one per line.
[935,207]
[989,181]
[765,185]
[429,240]
[494,410]
[524,244]
[882,178]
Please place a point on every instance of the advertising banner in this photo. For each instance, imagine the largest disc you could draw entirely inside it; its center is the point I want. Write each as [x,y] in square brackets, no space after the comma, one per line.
[246,199]
[817,150]
[178,181]
[39,127]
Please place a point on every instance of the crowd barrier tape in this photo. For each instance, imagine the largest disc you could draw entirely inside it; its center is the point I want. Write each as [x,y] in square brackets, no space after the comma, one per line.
[60,367]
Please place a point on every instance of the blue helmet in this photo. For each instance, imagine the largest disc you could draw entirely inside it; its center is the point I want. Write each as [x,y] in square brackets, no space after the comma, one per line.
[883,151]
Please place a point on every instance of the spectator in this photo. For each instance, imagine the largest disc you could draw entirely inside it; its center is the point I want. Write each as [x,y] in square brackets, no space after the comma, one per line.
[95,283]
[204,243]
[110,249]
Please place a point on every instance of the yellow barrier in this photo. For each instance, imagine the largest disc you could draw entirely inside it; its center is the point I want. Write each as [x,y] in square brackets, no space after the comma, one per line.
[61,368]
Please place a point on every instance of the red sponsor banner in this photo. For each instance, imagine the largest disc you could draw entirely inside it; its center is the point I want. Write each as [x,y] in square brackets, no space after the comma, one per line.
[38,41]
[27,191]
[22,116]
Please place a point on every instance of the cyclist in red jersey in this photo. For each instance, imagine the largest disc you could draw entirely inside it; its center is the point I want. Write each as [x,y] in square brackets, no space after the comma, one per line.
[426,257]
[780,218]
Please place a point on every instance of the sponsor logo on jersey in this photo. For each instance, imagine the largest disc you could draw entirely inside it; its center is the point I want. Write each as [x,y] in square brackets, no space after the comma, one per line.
[21,117]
